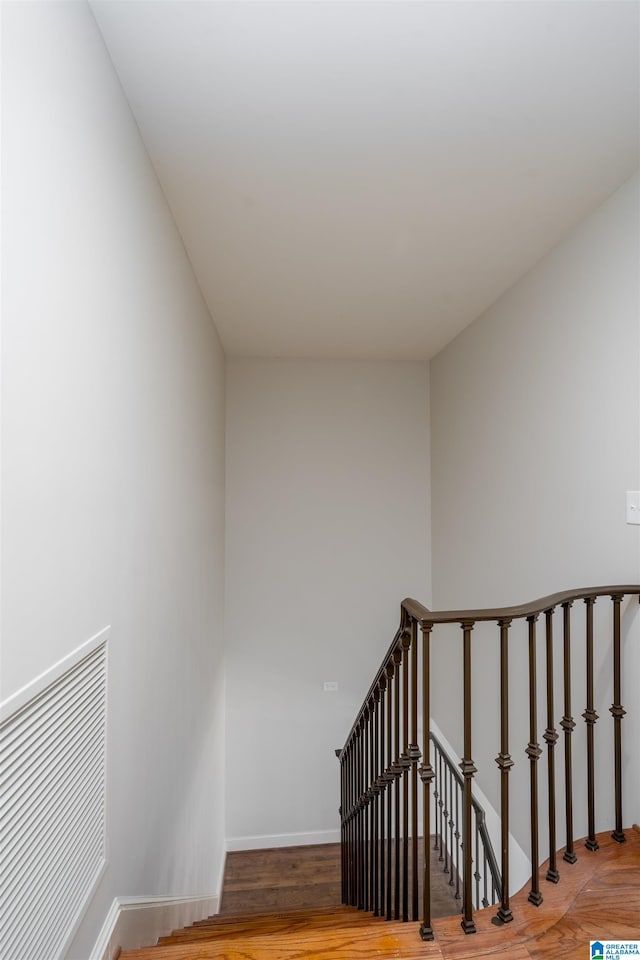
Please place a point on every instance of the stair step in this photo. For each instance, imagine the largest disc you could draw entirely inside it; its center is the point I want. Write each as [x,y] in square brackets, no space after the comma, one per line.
[357,941]
[251,925]
[220,919]
[597,898]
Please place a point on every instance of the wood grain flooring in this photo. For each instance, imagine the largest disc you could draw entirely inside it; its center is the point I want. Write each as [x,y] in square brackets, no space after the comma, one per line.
[598,897]
[291,878]
[285,878]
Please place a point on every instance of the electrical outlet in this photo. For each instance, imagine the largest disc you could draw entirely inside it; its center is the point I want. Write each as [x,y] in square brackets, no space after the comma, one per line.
[633,506]
[330,686]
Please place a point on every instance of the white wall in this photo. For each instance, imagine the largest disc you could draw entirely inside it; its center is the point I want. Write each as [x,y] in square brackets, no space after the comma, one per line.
[327,531]
[113,451]
[535,439]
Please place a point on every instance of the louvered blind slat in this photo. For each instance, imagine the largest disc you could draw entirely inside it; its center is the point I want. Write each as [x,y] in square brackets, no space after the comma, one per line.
[52,829]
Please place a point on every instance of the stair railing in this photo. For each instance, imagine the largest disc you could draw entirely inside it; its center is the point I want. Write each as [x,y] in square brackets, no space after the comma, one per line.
[383,768]
[448,787]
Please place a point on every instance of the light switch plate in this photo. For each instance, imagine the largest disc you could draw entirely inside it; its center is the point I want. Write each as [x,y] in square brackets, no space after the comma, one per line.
[633,506]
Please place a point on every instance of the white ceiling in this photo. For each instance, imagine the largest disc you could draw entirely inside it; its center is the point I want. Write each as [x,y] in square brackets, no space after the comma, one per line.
[362,179]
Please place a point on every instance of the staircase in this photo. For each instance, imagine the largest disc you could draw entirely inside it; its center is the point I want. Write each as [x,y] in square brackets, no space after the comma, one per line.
[598,899]
[396,782]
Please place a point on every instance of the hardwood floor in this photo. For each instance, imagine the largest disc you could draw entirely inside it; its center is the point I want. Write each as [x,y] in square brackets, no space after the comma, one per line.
[290,878]
[287,878]
[597,898]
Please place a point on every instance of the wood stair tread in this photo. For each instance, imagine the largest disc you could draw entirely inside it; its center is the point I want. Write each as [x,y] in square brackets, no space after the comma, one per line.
[597,898]
[219,919]
[246,926]
[356,942]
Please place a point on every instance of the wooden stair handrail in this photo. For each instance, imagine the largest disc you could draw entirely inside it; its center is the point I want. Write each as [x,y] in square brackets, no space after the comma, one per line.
[422,614]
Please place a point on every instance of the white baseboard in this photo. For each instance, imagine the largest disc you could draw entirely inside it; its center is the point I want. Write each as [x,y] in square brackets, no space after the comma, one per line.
[138,921]
[266,841]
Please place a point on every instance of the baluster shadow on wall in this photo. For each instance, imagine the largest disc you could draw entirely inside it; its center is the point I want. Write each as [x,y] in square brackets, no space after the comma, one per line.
[402,795]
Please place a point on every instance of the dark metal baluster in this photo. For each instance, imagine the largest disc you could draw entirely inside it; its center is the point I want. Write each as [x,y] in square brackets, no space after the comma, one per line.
[363,834]
[468,770]
[441,804]
[347,823]
[352,826]
[504,761]
[341,812]
[406,643]
[534,752]
[365,812]
[390,671]
[447,817]
[354,821]
[451,880]
[350,822]
[568,725]
[617,712]
[365,807]
[397,657]
[375,790]
[590,717]
[371,804]
[436,794]
[551,738]
[373,811]
[353,897]
[427,776]
[383,790]
[445,813]
[476,873]
[347,794]
[414,756]
[360,816]
[457,838]
[485,899]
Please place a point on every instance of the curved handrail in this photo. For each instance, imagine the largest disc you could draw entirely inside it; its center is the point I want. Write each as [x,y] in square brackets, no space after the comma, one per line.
[421,613]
